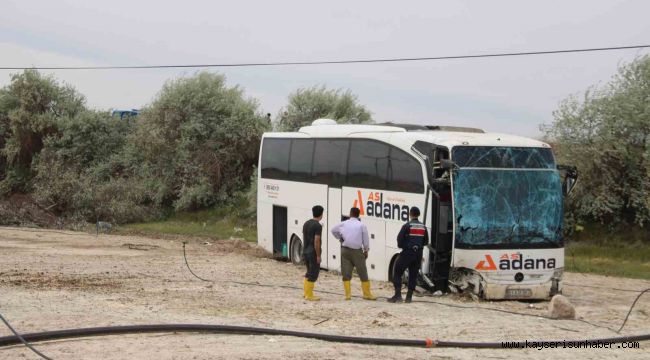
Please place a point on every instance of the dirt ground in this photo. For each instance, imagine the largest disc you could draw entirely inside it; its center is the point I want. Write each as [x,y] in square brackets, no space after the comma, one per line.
[53,280]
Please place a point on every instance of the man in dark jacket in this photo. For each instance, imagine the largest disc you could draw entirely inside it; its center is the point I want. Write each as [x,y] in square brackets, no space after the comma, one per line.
[412,239]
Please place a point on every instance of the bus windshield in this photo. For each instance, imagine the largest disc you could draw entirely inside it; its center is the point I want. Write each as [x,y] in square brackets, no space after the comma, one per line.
[503,157]
[507,206]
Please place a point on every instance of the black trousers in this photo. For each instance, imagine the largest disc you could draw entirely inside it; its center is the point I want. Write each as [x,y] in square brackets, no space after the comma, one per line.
[411,260]
[313,268]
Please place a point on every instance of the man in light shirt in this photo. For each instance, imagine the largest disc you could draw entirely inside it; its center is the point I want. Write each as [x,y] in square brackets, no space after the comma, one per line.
[355,245]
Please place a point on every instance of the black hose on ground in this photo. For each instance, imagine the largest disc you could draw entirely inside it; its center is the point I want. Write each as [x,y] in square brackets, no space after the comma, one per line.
[244,330]
[247,330]
[189,268]
[422,301]
[632,307]
[22,339]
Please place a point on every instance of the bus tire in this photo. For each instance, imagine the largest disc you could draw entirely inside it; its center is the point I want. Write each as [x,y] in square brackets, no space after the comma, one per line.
[296,251]
[391,272]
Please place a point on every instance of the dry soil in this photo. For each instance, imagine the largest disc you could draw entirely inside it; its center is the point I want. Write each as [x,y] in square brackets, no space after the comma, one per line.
[56,280]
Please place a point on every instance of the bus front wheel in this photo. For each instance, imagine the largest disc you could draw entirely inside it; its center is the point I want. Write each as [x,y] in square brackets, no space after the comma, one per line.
[296,251]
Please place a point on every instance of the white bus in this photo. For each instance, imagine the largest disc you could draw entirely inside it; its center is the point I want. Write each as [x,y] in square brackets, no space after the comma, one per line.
[492,202]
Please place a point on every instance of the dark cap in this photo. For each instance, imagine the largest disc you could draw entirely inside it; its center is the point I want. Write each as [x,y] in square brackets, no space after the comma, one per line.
[415,211]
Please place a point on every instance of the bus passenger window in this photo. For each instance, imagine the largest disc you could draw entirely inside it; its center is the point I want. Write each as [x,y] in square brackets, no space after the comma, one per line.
[275,158]
[368,164]
[330,161]
[300,159]
[404,172]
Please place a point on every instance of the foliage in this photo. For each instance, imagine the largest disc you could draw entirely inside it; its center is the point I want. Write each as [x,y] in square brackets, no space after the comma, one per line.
[197,143]
[251,198]
[606,133]
[194,147]
[243,204]
[308,104]
[30,107]
[79,170]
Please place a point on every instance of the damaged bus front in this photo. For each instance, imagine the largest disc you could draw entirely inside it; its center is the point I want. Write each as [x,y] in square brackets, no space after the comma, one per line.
[505,219]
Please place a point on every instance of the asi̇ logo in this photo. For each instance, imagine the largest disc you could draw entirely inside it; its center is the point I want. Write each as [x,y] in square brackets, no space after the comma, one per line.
[515,261]
[375,206]
[487,264]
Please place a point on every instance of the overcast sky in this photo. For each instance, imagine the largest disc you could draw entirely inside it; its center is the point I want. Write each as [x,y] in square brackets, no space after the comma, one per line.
[513,95]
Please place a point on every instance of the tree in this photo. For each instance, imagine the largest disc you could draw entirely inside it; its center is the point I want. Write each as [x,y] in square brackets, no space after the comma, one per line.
[30,106]
[79,165]
[197,143]
[195,146]
[606,133]
[308,104]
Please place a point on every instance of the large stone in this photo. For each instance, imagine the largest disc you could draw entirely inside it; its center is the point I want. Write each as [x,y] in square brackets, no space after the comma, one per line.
[561,308]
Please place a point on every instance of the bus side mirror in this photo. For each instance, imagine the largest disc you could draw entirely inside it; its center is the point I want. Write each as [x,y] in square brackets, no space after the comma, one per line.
[447,164]
[569,176]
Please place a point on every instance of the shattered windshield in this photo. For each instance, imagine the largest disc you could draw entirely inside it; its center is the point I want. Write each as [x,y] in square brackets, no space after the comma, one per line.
[503,157]
[499,206]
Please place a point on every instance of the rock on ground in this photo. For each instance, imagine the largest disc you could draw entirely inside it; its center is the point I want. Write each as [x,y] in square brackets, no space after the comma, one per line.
[561,308]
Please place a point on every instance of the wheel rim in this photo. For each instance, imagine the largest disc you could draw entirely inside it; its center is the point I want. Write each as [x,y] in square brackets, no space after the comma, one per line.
[405,278]
[296,251]
[405,275]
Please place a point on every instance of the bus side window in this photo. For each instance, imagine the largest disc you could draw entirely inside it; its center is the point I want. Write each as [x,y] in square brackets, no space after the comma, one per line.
[330,161]
[300,161]
[404,172]
[275,158]
[368,165]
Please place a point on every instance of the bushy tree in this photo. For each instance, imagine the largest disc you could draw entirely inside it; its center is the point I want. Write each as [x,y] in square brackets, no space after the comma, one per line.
[30,106]
[80,171]
[195,146]
[308,104]
[606,133]
[198,142]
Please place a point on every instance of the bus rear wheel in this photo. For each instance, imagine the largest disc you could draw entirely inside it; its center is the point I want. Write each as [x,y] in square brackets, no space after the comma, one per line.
[296,251]
[391,273]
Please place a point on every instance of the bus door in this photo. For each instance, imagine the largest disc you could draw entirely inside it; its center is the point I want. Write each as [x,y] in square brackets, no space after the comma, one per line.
[441,238]
[279,230]
[331,258]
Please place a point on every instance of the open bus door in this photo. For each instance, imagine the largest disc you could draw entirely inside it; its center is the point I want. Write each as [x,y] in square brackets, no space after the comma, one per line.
[439,217]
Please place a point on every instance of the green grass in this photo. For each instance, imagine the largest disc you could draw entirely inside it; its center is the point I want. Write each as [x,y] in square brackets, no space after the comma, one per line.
[215,224]
[595,255]
[624,260]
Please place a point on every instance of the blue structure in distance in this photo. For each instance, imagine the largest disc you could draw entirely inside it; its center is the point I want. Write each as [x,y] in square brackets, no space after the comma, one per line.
[125,113]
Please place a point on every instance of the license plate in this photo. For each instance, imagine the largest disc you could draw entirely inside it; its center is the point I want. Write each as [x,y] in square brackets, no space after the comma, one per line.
[519,293]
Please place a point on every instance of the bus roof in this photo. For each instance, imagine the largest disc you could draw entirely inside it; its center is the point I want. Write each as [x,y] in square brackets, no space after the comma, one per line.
[404,136]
